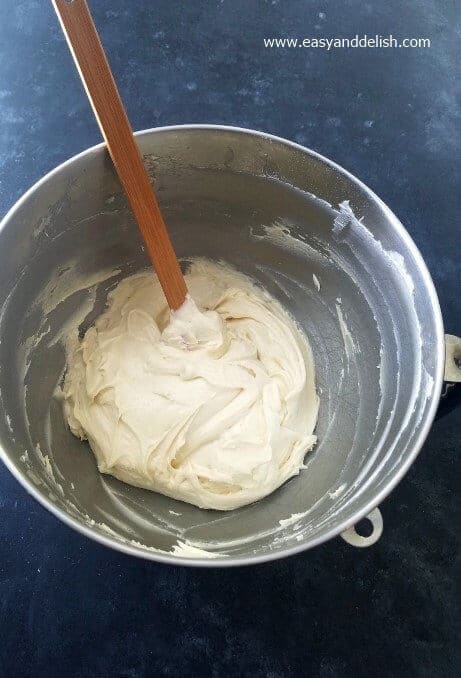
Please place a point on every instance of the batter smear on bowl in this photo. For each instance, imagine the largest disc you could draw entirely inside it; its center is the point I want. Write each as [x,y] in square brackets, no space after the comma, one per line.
[213,404]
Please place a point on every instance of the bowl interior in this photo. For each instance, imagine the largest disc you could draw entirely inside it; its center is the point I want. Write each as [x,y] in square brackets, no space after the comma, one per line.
[351,277]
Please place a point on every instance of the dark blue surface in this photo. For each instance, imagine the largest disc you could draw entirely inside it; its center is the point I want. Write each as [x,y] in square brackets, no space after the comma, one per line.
[392,117]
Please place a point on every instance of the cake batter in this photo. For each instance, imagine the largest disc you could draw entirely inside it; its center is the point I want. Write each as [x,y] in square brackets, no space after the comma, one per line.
[213,404]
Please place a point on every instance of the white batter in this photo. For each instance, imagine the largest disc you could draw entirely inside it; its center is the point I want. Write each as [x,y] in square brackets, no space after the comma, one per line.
[216,408]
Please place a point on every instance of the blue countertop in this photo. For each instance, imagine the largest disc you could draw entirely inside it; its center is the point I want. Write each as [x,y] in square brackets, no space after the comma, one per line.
[392,117]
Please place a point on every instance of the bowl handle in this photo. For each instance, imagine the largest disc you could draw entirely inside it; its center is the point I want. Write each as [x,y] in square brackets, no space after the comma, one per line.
[451,391]
[352,537]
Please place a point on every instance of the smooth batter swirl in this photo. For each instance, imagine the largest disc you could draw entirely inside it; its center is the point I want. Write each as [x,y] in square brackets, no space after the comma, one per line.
[215,407]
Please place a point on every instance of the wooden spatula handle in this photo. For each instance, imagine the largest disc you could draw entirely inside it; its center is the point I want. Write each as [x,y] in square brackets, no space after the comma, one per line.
[100,86]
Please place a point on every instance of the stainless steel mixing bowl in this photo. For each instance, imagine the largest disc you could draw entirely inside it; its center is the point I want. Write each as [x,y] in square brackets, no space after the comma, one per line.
[351,276]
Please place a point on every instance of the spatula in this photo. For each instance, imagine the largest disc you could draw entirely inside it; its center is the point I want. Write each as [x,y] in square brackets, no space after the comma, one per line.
[95,72]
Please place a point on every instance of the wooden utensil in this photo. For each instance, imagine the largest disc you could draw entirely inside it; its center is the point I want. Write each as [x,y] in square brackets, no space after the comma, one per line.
[91,62]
